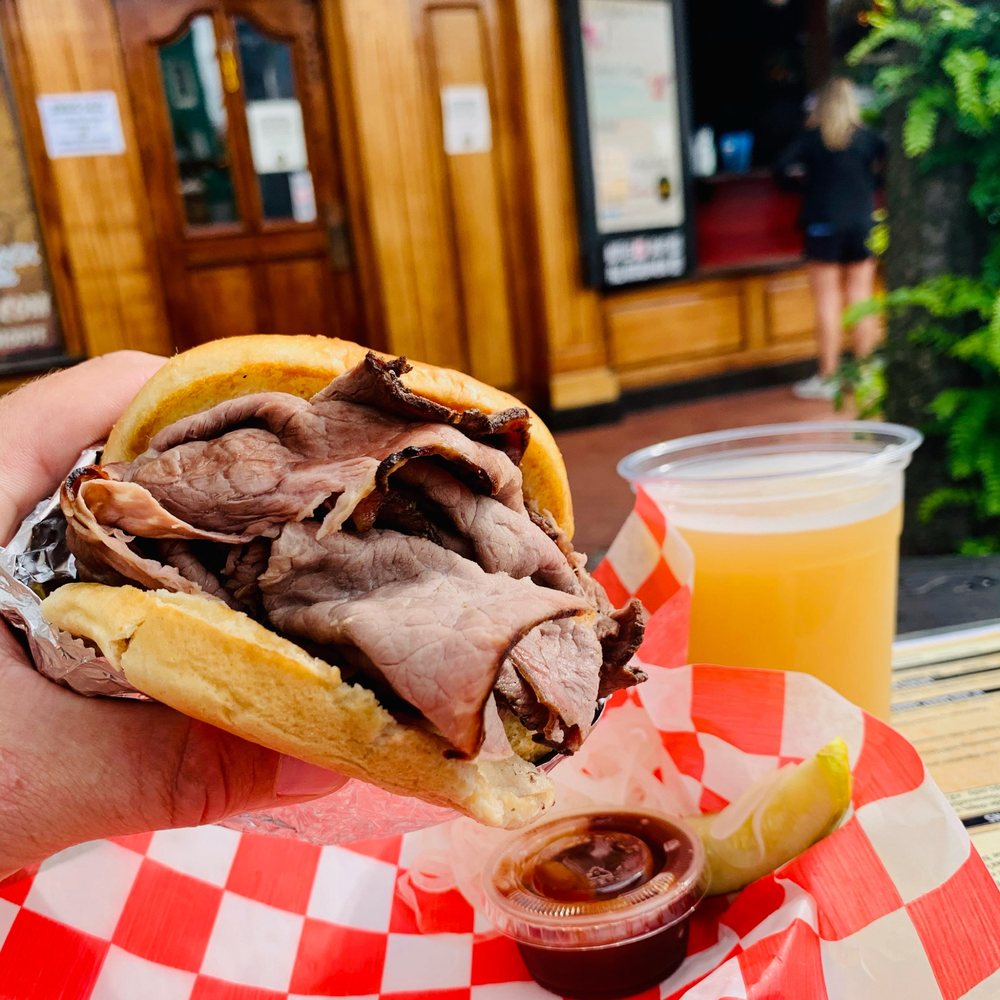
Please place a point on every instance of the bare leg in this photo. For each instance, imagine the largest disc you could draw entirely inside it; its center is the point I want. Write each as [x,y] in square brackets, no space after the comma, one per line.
[859,285]
[828,303]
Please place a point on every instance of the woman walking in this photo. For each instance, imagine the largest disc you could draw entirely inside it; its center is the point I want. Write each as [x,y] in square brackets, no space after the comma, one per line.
[838,161]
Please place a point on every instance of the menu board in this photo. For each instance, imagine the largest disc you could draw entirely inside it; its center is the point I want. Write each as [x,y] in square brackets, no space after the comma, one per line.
[628,110]
[946,702]
[29,327]
[634,116]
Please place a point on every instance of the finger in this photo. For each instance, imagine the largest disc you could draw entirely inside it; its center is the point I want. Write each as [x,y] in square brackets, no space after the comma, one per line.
[45,424]
[74,769]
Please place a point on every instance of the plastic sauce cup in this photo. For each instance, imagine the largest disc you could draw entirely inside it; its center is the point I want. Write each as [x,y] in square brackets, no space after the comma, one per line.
[598,902]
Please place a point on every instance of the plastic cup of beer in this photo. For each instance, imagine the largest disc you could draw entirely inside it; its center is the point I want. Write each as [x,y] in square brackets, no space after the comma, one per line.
[795,533]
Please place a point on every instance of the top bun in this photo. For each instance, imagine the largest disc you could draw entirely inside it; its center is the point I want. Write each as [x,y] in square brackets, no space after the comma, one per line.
[237,366]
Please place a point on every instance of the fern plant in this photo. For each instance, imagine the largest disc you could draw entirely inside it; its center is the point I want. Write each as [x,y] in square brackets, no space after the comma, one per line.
[940,59]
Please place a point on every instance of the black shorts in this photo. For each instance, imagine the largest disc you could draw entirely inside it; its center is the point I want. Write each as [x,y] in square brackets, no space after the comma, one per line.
[847,247]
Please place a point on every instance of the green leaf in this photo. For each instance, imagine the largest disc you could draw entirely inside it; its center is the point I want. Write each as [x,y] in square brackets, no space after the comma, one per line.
[885,30]
[947,403]
[945,496]
[985,546]
[862,310]
[965,67]
[920,125]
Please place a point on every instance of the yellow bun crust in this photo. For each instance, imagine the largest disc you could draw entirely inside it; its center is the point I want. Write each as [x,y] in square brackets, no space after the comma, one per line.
[236,366]
[218,665]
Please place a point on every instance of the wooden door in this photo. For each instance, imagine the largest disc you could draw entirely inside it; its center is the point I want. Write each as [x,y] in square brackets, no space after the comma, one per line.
[238,145]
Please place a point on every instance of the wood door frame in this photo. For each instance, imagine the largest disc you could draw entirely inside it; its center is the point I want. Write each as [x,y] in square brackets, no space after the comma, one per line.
[516,206]
[342,129]
[42,182]
[357,192]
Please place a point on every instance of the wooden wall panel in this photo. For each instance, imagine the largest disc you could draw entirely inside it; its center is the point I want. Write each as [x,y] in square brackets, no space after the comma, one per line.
[297,288]
[687,322]
[398,151]
[789,307]
[235,287]
[707,327]
[575,333]
[457,36]
[72,45]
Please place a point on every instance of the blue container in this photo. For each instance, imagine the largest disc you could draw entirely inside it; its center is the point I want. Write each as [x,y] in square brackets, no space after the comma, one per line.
[736,151]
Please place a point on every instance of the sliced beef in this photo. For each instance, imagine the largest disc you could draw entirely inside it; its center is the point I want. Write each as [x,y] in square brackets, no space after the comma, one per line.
[376,383]
[184,557]
[251,479]
[503,540]
[243,568]
[131,508]
[561,662]
[103,548]
[620,633]
[103,555]
[435,626]
[383,531]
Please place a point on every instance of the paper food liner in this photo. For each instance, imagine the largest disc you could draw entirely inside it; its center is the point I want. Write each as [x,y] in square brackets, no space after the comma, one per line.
[893,903]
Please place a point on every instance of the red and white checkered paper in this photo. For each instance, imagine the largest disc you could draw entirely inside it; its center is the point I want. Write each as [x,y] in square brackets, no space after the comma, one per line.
[893,903]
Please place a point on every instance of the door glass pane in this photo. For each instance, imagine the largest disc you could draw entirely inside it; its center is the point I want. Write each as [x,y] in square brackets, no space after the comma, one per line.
[274,121]
[193,86]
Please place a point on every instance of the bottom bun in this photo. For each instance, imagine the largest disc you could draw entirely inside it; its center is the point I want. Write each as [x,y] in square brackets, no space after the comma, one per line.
[215,664]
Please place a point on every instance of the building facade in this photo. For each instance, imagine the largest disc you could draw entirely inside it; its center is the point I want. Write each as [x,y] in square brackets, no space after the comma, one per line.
[399,172]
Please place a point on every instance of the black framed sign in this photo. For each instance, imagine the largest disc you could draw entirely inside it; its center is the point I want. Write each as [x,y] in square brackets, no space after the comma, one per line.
[627,84]
[30,333]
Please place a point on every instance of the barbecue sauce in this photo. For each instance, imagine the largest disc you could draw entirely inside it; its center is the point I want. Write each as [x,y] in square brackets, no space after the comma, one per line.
[599,903]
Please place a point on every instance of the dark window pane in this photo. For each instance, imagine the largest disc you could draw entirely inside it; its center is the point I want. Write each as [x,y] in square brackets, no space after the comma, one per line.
[274,122]
[193,86]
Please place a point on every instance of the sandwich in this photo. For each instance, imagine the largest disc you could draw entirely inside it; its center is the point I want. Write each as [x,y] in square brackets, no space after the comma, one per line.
[355,560]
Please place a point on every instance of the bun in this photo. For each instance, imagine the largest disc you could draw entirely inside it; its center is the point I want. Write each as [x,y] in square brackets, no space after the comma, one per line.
[220,666]
[236,366]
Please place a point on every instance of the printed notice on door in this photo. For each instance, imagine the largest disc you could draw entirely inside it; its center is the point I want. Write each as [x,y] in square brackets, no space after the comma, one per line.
[81,124]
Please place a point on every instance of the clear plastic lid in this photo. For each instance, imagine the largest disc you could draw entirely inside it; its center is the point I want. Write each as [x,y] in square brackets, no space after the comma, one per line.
[600,877]
[819,448]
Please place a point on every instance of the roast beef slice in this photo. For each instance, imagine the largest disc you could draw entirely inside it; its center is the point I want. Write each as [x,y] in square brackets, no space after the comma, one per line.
[227,471]
[434,626]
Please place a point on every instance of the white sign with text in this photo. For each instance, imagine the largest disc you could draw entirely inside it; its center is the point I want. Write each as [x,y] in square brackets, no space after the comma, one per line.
[81,124]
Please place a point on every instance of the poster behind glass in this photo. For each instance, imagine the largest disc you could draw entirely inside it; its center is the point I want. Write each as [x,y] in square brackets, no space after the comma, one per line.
[629,116]
[29,326]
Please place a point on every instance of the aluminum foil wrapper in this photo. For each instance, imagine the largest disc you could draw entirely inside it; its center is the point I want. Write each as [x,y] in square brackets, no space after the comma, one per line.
[37,561]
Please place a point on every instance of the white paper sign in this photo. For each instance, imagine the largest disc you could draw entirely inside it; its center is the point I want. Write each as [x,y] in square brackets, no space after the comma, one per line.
[81,124]
[303,196]
[465,112]
[277,138]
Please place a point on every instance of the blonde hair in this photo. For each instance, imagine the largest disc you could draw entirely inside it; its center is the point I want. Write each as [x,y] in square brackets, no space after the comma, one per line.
[837,113]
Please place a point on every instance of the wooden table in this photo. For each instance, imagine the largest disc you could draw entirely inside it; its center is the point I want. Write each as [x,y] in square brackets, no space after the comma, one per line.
[946,702]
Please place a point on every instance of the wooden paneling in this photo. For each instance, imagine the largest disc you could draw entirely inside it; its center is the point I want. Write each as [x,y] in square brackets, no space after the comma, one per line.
[686,322]
[574,330]
[665,372]
[72,45]
[788,307]
[233,288]
[297,288]
[399,157]
[703,328]
[457,41]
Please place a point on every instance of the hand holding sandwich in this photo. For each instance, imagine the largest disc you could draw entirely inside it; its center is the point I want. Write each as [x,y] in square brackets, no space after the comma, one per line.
[71,768]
